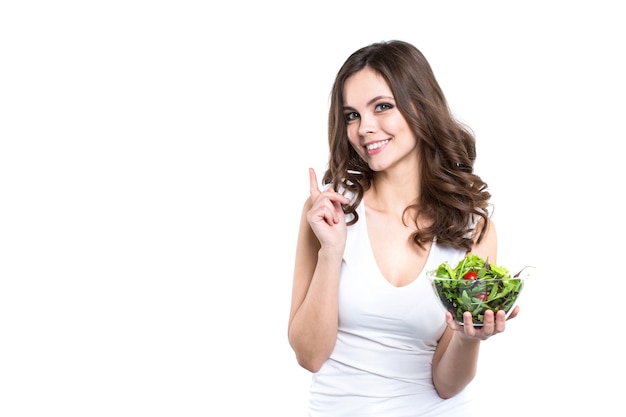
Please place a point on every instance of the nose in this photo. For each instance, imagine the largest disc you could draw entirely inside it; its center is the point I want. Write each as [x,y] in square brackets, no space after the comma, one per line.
[367,126]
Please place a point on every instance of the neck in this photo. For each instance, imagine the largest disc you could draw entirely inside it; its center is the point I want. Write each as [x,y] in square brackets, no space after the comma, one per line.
[392,194]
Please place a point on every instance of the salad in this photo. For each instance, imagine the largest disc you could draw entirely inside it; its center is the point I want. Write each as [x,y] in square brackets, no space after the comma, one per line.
[475,285]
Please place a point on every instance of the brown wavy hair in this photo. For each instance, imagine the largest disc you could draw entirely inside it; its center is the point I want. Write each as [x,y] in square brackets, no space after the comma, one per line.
[451,194]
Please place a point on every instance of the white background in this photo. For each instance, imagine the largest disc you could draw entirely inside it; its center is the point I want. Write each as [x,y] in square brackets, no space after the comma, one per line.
[153,165]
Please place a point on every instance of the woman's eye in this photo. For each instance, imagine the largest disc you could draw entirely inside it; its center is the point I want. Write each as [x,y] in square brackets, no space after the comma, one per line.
[383,106]
[351,116]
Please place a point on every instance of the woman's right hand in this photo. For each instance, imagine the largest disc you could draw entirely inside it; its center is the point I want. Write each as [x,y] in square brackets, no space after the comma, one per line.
[326,217]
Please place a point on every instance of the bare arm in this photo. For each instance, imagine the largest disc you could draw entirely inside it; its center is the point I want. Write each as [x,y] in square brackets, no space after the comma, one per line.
[313,319]
[456,357]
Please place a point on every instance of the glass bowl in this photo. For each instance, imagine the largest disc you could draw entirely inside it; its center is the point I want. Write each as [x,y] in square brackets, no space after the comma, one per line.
[477,296]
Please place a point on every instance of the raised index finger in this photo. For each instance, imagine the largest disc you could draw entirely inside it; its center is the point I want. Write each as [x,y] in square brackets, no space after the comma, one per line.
[315,191]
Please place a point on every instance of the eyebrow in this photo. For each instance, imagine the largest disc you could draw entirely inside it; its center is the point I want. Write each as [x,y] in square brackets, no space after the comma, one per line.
[372,101]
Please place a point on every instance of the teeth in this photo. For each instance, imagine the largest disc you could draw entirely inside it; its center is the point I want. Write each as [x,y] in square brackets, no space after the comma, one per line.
[376,145]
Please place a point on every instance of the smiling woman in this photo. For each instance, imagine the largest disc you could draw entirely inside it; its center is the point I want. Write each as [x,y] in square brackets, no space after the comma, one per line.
[399,197]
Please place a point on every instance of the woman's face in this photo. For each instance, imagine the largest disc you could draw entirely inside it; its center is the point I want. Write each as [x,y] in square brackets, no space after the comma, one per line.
[375,127]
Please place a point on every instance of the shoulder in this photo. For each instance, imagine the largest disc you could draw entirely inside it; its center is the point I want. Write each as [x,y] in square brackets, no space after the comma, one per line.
[487,247]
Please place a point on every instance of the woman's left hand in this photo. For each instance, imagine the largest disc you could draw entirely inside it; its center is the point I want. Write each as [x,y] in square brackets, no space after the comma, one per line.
[492,324]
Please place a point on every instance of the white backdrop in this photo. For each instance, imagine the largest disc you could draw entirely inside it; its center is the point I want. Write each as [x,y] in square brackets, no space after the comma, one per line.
[153,165]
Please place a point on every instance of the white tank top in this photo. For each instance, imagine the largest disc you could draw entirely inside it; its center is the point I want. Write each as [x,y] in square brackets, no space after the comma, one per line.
[381,363]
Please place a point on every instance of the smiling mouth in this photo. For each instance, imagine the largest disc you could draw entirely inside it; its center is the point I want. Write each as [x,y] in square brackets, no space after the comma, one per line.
[376,145]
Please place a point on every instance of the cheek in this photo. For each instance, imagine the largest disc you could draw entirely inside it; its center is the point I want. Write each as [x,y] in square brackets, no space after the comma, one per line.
[353,135]
[396,124]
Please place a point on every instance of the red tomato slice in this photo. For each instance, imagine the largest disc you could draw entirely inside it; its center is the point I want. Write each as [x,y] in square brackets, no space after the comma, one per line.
[471,275]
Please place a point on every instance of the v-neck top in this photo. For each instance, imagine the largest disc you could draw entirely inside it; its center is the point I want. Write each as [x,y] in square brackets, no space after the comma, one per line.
[382,361]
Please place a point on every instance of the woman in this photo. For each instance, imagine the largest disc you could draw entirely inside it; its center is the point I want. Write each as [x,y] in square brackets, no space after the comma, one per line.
[398,198]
